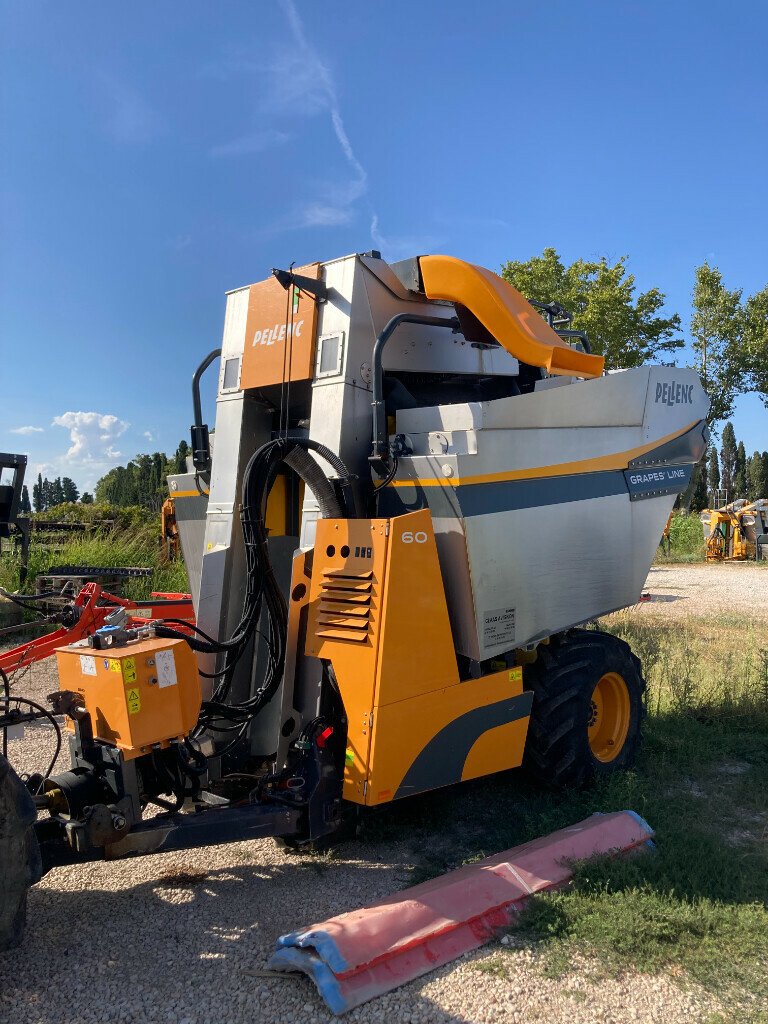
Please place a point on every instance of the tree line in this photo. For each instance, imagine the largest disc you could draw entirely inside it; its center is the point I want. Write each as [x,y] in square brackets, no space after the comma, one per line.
[731,475]
[141,483]
[143,480]
[48,494]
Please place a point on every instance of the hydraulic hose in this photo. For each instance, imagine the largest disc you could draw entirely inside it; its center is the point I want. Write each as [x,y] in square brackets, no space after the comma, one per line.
[302,463]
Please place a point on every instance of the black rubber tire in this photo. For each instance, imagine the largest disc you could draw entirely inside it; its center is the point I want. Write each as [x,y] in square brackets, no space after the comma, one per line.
[20,863]
[563,679]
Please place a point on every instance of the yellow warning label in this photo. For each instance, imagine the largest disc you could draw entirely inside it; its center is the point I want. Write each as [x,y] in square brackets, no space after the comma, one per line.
[113,665]
[131,695]
[134,706]
[129,670]
[516,675]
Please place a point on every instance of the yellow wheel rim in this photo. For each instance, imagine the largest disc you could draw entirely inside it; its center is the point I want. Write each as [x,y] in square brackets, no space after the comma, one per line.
[609,717]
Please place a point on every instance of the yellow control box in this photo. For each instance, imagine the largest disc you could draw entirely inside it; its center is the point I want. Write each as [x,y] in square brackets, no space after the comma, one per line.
[138,696]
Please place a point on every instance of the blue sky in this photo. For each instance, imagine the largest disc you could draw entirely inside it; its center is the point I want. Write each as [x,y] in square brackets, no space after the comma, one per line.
[155,155]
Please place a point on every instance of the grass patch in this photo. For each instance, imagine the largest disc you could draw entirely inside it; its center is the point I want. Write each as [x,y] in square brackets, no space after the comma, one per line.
[686,536]
[698,903]
[132,541]
[696,907]
[495,966]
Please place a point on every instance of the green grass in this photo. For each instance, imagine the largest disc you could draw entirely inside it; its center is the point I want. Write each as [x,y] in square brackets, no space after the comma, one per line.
[129,543]
[687,540]
[696,906]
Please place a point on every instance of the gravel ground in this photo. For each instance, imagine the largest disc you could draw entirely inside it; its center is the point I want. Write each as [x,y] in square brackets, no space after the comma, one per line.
[184,937]
[727,588]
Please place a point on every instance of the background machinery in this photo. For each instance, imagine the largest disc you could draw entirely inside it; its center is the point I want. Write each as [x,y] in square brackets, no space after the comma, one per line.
[737,531]
[390,555]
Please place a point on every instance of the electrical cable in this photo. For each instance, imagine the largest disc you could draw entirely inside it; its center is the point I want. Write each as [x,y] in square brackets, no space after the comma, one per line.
[12,699]
[22,600]
[218,713]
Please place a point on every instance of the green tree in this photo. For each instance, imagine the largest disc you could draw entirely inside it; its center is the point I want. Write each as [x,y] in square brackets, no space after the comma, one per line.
[69,488]
[141,482]
[24,504]
[728,459]
[86,498]
[713,473]
[37,494]
[740,476]
[622,327]
[180,458]
[717,326]
[757,477]
[755,351]
[699,492]
[57,491]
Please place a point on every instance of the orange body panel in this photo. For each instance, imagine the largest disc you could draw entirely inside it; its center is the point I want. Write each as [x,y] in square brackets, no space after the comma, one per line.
[506,314]
[378,614]
[405,731]
[342,583]
[138,696]
[279,332]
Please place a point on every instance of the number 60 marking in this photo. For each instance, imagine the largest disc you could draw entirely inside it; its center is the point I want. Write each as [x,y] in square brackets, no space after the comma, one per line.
[414,538]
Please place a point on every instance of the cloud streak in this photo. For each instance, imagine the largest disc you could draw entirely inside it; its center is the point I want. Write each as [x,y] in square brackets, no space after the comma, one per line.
[27,430]
[316,89]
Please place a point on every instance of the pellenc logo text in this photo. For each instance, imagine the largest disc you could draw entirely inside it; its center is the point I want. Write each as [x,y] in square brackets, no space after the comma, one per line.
[669,393]
[277,333]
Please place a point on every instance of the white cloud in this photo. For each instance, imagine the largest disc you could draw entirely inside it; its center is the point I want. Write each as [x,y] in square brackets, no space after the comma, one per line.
[27,430]
[257,142]
[92,435]
[149,435]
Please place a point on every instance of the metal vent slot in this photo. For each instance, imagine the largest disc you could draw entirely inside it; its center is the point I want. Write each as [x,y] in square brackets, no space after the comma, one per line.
[361,586]
[344,610]
[342,634]
[359,611]
[336,574]
[347,596]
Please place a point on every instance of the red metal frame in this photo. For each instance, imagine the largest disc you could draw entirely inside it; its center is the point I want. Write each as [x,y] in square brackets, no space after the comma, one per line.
[95,605]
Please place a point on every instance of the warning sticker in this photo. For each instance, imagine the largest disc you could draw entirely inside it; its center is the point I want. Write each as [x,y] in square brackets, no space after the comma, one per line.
[129,671]
[166,668]
[112,664]
[87,665]
[498,626]
[133,698]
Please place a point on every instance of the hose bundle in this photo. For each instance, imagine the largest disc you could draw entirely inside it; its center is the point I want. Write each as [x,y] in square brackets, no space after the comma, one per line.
[218,714]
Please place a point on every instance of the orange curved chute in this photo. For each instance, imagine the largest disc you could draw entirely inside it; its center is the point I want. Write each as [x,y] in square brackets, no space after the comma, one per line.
[506,315]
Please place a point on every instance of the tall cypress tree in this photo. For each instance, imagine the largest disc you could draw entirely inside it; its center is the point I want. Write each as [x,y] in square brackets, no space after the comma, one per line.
[728,459]
[37,494]
[740,477]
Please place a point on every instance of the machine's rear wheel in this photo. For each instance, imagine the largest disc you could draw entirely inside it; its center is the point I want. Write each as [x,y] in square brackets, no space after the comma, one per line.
[20,865]
[587,708]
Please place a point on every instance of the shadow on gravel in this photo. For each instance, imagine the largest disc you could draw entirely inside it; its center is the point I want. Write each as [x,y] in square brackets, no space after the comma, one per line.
[189,929]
